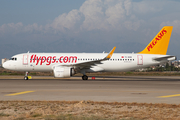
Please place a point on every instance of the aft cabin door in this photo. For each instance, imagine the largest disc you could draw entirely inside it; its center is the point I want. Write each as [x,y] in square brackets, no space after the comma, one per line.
[139,60]
[25,60]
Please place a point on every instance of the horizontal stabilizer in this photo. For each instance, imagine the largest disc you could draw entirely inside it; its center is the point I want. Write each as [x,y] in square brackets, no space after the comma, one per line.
[166,58]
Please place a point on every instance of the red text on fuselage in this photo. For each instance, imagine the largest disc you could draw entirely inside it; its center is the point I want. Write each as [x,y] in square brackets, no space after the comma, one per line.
[52,59]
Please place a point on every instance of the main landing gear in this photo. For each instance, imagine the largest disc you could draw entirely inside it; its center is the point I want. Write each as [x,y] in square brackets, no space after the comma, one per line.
[84,77]
[26,76]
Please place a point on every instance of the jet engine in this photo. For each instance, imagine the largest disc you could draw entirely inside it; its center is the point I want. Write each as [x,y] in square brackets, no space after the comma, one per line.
[63,72]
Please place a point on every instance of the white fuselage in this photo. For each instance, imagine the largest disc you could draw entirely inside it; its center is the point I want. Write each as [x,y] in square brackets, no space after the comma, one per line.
[46,61]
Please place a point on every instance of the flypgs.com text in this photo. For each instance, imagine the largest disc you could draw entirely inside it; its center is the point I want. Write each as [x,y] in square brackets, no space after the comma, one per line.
[52,59]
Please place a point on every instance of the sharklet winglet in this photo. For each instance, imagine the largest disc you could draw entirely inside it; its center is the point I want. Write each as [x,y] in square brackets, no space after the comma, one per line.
[110,53]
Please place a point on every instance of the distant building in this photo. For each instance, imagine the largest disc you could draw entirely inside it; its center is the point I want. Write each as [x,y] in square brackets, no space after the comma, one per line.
[176,63]
[3,60]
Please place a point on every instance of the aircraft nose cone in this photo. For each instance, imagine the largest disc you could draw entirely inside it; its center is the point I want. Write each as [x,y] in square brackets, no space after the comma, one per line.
[5,65]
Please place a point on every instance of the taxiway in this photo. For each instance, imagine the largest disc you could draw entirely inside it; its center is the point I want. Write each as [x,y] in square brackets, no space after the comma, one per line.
[141,89]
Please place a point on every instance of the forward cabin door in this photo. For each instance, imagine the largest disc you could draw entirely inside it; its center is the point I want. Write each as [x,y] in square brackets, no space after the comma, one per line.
[25,60]
[139,59]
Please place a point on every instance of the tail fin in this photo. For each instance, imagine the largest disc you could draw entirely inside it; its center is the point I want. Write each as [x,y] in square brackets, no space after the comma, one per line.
[159,44]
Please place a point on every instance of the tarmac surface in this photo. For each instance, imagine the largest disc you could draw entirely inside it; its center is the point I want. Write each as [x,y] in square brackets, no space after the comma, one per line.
[141,89]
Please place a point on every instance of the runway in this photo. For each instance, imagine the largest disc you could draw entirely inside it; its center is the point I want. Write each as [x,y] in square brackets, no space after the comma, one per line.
[141,89]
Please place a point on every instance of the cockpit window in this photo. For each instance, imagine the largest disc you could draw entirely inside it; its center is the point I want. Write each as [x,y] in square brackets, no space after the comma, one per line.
[14,59]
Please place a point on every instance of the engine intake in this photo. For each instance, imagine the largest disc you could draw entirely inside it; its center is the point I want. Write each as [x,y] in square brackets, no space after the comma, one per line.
[63,72]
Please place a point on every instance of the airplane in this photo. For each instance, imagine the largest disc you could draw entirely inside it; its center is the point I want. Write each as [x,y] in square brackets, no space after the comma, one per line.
[67,64]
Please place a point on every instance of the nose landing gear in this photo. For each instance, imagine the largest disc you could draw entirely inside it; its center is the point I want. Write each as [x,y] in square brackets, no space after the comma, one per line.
[26,76]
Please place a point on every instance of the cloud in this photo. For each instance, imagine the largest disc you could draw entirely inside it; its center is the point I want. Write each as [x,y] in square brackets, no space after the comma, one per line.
[149,6]
[175,24]
[102,15]
[33,28]
[11,28]
[109,15]
[92,12]
[66,21]
[98,15]
[125,23]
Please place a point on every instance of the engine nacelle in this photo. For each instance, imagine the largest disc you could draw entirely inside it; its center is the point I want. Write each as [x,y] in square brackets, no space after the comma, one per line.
[63,72]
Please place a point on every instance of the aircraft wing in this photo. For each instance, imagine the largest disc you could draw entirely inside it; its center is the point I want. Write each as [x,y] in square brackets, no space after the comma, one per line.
[166,58]
[89,64]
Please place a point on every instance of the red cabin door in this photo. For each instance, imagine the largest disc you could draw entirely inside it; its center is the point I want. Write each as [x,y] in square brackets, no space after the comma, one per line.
[139,59]
[25,60]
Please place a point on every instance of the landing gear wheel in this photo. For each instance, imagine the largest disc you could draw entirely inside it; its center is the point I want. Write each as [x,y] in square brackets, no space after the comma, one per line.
[26,78]
[85,77]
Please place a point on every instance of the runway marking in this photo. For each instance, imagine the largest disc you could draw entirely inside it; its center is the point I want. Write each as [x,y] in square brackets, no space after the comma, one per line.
[19,93]
[169,96]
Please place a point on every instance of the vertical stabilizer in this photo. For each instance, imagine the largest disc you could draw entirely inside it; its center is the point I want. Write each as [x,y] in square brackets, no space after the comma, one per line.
[159,44]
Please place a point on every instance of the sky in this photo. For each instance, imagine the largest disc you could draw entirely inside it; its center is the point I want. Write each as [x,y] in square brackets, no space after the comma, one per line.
[91,26]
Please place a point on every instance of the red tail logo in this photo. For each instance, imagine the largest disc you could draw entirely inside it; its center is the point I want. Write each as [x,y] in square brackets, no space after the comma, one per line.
[157,38]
